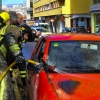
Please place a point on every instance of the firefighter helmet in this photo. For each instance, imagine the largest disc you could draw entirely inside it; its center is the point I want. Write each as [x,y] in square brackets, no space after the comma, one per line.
[5,16]
[26,29]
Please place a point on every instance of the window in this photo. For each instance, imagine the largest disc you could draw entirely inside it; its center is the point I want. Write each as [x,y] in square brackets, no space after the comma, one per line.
[47,6]
[31,4]
[74,55]
[35,1]
[97,23]
[38,53]
[96,1]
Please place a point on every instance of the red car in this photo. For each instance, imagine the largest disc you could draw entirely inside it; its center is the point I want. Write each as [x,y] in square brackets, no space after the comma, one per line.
[69,68]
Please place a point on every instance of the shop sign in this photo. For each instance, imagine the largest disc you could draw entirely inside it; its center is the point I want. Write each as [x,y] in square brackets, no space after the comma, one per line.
[80,23]
[95,7]
[61,18]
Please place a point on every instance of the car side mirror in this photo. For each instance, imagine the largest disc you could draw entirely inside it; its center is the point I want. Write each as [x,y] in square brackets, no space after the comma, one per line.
[33,67]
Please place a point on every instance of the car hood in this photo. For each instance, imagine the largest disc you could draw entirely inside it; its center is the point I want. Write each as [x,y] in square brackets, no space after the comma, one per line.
[76,86]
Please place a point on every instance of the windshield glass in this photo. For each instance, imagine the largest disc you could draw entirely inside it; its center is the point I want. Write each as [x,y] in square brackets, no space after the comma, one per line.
[42,29]
[32,27]
[75,56]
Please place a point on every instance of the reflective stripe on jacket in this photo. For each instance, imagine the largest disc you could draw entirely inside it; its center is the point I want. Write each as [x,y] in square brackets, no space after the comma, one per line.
[22,73]
[13,47]
[2,47]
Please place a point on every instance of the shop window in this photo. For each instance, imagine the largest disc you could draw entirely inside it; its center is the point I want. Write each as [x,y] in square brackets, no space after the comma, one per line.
[97,23]
[96,1]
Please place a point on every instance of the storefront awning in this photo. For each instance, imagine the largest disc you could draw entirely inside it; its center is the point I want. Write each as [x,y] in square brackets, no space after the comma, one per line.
[95,11]
[81,15]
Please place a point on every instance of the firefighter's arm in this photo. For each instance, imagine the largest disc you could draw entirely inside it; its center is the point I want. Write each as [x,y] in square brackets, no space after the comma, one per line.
[34,35]
[14,47]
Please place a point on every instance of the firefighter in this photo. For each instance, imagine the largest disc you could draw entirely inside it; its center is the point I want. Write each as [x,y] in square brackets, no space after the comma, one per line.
[25,34]
[4,17]
[11,38]
[27,30]
[7,42]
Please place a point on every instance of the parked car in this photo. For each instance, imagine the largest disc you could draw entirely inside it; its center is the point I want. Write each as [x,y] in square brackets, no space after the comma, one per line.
[69,68]
[78,30]
[32,27]
[42,29]
[66,30]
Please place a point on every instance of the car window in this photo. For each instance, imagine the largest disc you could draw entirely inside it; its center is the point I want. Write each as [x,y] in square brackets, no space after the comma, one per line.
[81,29]
[78,30]
[32,27]
[39,29]
[74,55]
[38,53]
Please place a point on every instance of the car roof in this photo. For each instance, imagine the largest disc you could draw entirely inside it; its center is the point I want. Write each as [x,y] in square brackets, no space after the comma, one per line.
[72,36]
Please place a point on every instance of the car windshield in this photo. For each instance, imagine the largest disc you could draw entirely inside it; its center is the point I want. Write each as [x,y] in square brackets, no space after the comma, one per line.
[75,56]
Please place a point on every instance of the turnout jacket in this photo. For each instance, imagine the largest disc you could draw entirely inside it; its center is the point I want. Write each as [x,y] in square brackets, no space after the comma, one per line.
[10,41]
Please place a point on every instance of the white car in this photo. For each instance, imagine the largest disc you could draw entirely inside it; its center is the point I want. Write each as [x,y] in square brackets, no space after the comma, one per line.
[43,30]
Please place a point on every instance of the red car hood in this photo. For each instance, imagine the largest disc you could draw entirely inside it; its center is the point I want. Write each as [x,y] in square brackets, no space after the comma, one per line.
[76,86]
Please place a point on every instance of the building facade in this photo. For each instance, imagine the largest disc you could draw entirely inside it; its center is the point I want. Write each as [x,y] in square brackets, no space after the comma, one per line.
[95,15]
[29,9]
[62,13]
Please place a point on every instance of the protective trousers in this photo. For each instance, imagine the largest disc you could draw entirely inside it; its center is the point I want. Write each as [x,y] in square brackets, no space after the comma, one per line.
[6,87]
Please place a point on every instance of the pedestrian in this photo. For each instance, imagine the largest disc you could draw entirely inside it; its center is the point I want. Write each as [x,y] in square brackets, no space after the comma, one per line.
[22,33]
[21,24]
[19,19]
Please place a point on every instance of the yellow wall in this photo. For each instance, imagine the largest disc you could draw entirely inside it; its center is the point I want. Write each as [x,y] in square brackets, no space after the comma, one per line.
[56,11]
[49,12]
[71,7]
[42,2]
[76,7]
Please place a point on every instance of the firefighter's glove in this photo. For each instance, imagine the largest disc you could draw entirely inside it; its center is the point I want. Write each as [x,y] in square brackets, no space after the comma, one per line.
[19,59]
[38,67]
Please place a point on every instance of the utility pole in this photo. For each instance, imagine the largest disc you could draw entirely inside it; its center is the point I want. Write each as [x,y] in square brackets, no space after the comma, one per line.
[0,6]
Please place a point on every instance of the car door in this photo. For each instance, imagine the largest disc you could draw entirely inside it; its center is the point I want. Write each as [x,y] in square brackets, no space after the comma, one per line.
[33,75]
